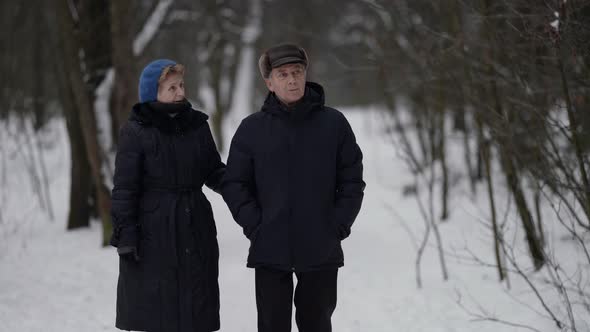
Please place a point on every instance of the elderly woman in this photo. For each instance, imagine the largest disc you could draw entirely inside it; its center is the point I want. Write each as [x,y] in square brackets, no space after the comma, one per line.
[164,229]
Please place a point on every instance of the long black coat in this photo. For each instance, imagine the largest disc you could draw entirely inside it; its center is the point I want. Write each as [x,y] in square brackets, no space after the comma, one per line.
[294,183]
[158,207]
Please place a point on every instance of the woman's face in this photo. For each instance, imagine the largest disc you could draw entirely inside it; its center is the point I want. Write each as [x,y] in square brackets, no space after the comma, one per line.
[171,90]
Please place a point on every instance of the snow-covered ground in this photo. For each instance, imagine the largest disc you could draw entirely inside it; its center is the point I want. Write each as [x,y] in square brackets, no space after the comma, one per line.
[53,280]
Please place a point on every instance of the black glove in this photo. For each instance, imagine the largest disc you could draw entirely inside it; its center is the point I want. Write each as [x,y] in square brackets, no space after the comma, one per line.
[128,253]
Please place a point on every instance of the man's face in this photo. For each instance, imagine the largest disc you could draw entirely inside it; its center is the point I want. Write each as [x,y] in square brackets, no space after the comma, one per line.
[171,89]
[287,82]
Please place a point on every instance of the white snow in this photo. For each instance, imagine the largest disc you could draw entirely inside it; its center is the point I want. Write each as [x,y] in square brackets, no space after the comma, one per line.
[53,280]
[101,109]
[151,26]
[103,124]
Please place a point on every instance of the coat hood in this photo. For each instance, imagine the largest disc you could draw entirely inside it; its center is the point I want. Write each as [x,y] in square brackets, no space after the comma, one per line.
[154,114]
[148,81]
[312,100]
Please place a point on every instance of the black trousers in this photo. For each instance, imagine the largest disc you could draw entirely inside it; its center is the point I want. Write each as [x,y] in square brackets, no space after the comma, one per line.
[315,300]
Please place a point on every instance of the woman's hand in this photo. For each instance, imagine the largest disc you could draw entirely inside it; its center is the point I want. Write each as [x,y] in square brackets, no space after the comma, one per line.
[128,253]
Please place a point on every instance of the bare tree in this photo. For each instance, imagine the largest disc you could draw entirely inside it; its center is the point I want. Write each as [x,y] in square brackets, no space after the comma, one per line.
[124,84]
[221,53]
[80,93]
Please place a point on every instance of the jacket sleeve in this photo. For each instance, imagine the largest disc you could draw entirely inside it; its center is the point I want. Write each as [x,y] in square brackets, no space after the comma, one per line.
[238,187]
[349,181]
[215,167]
[126,189]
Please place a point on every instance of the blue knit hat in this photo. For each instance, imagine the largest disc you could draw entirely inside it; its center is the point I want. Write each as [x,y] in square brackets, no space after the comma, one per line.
[148,81]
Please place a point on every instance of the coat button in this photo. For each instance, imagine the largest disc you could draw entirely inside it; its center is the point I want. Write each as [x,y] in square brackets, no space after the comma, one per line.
[188,251]
[187,210]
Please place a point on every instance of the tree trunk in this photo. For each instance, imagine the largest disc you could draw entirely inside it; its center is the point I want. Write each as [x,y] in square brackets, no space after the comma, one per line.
[466,94]
[486,157]
[39,97]
[479,162]
[467,155]
[535,246]
[421,131]
[442,101]
[38,79]
[80,177]
[512,178]
[574,127]
[539,216]
[216,67]
[219,115]
[510,171]
[124,91]
[508,166]
[82,102]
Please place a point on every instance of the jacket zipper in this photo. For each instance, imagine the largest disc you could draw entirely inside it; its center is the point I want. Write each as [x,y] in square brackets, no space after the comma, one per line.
[290,146]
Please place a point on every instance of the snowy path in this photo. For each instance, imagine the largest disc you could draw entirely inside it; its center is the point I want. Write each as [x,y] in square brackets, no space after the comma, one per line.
[51,280]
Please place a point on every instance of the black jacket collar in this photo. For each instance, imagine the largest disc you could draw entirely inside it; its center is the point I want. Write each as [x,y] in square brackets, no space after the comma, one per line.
[312,100]
[185,119]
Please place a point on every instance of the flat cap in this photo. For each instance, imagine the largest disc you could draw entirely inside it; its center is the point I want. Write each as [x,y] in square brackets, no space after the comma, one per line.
[279,55]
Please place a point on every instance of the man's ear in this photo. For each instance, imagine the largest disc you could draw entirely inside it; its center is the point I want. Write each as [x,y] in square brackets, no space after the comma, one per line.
[269,84]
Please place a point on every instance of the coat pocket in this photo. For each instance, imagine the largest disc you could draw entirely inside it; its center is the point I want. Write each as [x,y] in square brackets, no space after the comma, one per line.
[149,223]
[342,232]
[254,237]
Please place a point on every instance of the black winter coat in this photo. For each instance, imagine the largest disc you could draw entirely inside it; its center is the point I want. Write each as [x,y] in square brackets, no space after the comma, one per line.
[158,207]
[294,183]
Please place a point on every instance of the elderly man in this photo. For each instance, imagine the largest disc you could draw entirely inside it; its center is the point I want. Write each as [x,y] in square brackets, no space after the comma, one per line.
[294,183]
